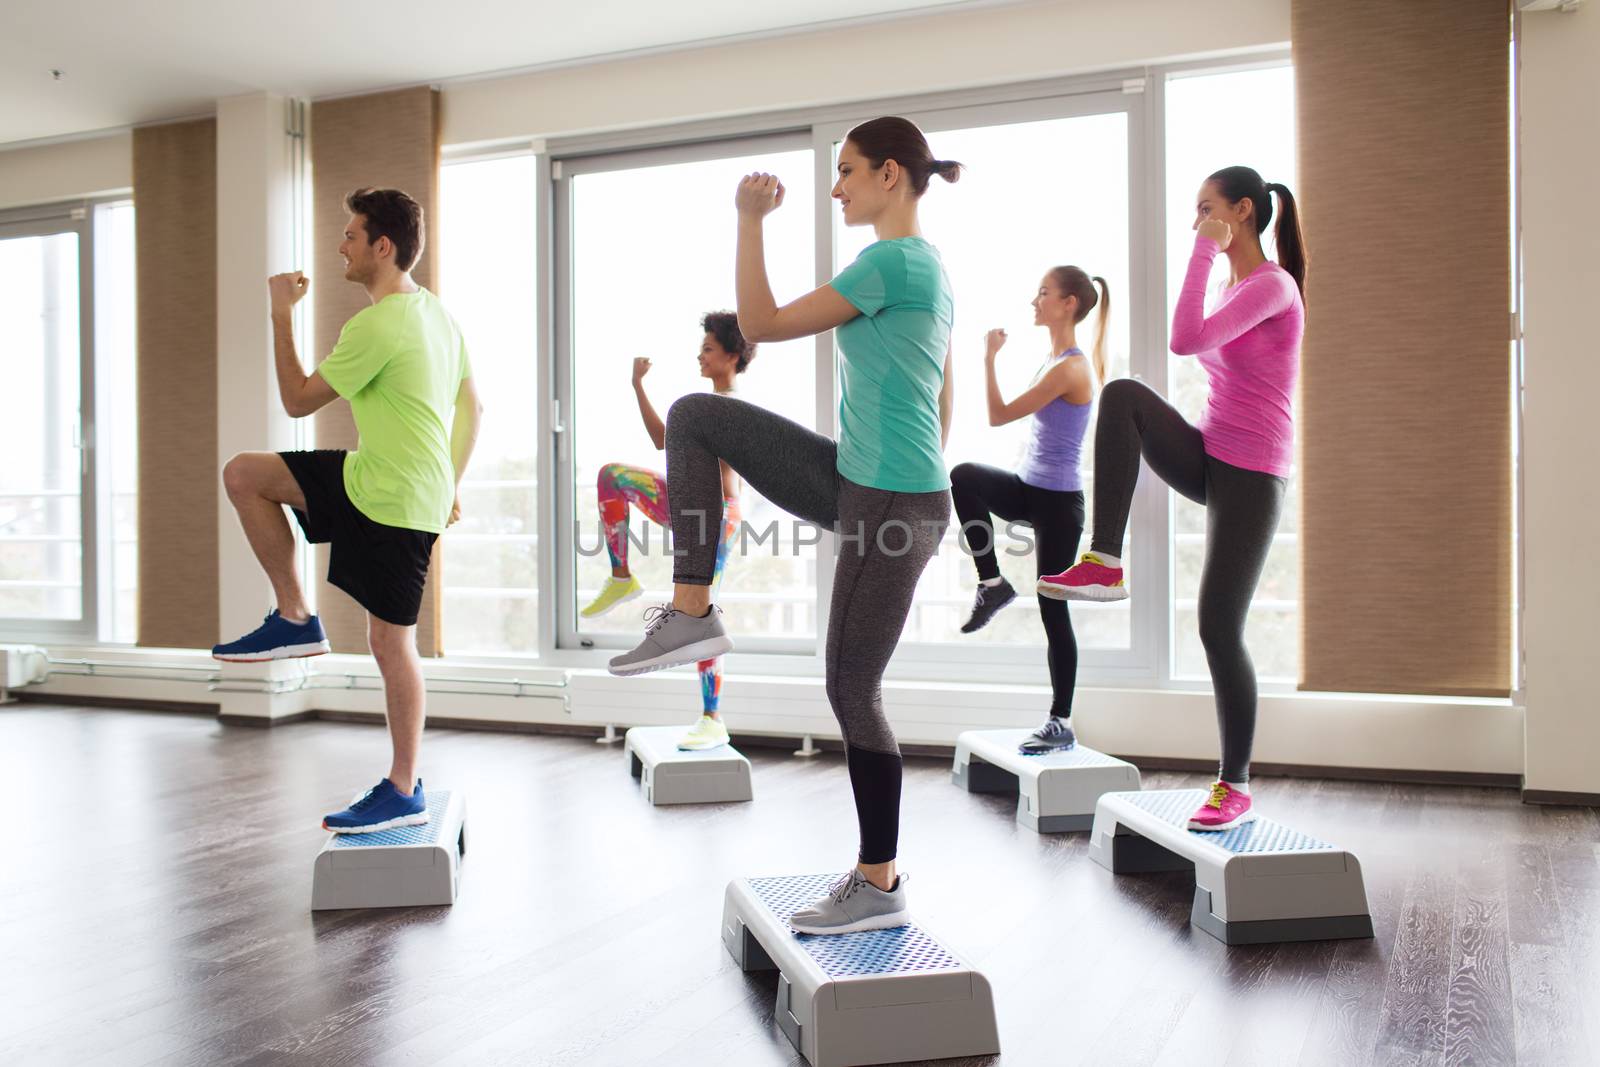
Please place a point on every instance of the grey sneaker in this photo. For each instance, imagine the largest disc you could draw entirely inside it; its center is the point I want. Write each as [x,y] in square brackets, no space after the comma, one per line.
[1054,736]
[854,904]
[672,639]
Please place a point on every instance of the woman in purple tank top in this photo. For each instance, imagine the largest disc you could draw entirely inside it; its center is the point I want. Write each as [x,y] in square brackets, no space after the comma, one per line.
[1046,493]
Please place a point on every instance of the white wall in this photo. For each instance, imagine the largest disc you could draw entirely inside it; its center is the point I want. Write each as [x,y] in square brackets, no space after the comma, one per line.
[1560,241]
[928,53]
[70,170]
[923,54]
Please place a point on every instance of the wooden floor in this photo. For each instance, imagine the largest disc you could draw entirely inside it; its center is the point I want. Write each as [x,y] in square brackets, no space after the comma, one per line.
[155,883]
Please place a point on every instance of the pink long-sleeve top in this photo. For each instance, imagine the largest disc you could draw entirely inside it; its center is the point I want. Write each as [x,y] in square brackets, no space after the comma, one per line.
[1250,348]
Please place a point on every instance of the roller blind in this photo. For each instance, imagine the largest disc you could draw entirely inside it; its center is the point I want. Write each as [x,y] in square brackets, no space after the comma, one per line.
[1406,394]
[175,230]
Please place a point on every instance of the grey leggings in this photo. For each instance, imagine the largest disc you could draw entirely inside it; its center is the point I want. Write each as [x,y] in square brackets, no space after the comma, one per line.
[885,541]
[1242,509]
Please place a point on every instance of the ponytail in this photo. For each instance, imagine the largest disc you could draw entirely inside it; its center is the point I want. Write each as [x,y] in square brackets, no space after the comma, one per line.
[1240,183]
[1098,352]
[948,169]
[1073,281]
[1290,240]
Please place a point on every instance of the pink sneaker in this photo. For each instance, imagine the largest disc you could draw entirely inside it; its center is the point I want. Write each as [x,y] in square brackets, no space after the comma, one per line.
[1223,810]
[1088,579]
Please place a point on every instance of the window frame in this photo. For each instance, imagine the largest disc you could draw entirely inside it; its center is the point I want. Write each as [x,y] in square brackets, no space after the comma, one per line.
[953,661]
[1138,92]
[563,172]
[544,568]
[75,217]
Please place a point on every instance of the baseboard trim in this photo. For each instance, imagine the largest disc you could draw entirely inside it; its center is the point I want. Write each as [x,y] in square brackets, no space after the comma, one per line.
[1562,797]
[1401,776]
[448,722]
[172,707]
[265,722]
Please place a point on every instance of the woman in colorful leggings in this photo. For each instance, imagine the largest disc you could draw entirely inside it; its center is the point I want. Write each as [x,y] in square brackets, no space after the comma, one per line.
[724,355]
[1047,492]
[881,486]
[1236,462]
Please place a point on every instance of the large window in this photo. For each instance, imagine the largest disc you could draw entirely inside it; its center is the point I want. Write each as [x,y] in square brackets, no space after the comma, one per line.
[68,543]
[651,238]
[487,279]
[641,245]
[41,483]
[1197,145]
[998,231]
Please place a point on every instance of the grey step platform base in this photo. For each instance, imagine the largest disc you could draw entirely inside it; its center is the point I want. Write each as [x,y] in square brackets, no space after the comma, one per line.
[880,996]
[1056,793]
[407,867]
[668,776]
[1255,884]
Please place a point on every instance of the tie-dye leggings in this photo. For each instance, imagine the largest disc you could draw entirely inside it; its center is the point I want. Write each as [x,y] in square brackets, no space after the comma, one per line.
[622,487]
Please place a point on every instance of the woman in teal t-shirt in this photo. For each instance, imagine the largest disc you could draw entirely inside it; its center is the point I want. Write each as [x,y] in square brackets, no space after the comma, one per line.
[881,487]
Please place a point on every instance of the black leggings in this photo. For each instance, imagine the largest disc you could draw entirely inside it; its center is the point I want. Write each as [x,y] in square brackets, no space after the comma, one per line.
[1242,509]
[1057,520]
[885,541]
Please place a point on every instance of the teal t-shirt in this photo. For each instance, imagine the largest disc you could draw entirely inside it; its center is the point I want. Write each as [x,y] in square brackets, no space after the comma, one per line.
[891,369]
[401,363]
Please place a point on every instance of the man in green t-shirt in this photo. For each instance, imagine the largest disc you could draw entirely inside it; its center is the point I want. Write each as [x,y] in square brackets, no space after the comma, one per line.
[403,367]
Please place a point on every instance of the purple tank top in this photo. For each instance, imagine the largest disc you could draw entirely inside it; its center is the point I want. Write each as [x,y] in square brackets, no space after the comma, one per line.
[1055,446]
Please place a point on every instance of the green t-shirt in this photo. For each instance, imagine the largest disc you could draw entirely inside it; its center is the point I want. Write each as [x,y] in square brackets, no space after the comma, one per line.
[401,363]
[892,366]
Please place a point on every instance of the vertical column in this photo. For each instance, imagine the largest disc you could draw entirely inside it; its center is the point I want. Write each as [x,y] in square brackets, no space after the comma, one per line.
[1559,110]
[257,172]
[174,184]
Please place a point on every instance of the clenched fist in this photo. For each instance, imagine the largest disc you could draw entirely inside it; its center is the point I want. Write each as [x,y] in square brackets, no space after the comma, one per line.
[287,289]
[1218,231]
[758,195]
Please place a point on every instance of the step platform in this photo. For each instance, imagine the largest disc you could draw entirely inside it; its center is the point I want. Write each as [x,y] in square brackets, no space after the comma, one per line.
[406,867]
[668,776]
[878,996]
[1258,883]
[1056,793]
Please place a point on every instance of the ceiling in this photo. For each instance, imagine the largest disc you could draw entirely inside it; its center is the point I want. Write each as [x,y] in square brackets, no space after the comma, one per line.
[126,63]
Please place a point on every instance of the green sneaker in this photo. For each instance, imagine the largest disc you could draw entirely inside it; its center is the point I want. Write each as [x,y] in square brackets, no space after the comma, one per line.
[707,733]
[615,591]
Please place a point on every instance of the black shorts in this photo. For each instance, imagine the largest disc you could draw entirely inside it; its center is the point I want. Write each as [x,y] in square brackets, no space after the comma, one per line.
[382,567]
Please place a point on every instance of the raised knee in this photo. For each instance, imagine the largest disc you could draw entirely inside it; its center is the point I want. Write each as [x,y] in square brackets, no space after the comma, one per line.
[689,408]
[1118,392]
[236,477]
[962,473]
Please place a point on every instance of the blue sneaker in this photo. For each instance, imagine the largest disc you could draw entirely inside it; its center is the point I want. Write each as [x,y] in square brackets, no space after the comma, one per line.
[380,808]
[276,638]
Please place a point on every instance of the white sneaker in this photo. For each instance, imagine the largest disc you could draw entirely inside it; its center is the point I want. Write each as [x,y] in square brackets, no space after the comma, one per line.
[709,732]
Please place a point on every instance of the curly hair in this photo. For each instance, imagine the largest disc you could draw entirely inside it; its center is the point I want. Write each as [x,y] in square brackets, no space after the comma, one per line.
[724,326]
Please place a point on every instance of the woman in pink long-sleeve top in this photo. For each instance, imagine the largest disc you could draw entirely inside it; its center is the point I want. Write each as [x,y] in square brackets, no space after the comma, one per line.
[1236,462]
